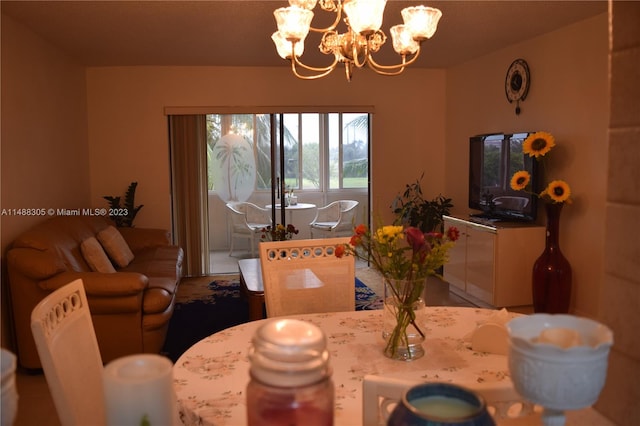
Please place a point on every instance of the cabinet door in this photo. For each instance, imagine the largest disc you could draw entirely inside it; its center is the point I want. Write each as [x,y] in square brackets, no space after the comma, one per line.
[481,263]
[455,270]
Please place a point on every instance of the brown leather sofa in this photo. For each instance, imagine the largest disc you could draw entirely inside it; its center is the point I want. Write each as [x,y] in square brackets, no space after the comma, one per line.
[130,308]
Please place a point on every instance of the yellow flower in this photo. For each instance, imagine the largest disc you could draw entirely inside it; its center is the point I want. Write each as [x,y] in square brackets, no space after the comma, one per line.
[538,144]
[558,191]
[389,233]
[520,180]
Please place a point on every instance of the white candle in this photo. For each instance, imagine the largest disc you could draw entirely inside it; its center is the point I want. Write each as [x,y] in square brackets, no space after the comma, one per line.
[139,391]
[444,407]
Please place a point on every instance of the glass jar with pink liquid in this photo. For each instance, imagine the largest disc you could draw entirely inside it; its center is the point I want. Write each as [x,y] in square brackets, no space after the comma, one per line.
[290,375]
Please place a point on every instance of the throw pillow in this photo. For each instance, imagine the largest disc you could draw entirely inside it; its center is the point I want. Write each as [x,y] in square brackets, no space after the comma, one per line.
[115,246]
[95,256]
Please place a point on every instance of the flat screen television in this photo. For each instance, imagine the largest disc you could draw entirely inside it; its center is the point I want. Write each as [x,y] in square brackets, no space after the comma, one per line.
[493,159]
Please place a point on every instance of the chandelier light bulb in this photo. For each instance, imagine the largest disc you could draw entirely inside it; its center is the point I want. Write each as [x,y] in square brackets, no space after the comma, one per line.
[283,46]
[422,21]
[403,41]
[365,16]
[293,22]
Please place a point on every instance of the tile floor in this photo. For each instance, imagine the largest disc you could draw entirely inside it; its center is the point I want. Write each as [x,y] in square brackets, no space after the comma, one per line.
[35,407]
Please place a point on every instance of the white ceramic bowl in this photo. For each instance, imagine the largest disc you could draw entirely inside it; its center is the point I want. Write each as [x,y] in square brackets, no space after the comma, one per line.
[554,372]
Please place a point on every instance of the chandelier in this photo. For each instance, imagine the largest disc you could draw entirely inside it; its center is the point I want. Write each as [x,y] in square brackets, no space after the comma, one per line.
[363,36]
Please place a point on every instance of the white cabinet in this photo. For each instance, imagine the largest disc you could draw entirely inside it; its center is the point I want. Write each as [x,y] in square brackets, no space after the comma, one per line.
[493,262]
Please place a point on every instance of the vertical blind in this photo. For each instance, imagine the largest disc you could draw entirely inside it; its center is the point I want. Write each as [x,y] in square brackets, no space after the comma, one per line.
[189,201]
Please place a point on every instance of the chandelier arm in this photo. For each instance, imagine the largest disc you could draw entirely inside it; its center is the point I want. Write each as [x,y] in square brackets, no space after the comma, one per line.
[381,72]
[365,54]
[333,26]
[322,71]
[376,66]
[329,68]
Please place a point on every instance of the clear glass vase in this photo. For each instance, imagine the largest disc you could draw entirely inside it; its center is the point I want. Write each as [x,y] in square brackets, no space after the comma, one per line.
[403,319]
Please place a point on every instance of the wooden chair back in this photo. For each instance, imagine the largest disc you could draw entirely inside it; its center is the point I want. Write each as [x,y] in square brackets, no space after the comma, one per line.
[305,276]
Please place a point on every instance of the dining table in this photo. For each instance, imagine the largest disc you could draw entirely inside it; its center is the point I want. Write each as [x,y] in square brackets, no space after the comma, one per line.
[210,378]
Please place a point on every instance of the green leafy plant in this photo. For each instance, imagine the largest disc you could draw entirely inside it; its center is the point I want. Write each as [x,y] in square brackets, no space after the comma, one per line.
[411,209]
[123,215]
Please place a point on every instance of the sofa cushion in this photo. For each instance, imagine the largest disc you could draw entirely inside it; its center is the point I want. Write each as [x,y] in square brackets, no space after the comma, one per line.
[35,264]
[158,262]
[95,256]
[116,246]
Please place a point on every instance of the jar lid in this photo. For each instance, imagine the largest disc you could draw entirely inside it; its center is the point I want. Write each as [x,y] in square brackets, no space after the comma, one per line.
[287,352]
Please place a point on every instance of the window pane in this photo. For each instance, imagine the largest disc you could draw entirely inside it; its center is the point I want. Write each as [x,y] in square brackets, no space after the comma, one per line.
[263,151]
[291,150]
[311,151]
[231,164]
[333,169]
[332,146]
[355,150]
[213,134]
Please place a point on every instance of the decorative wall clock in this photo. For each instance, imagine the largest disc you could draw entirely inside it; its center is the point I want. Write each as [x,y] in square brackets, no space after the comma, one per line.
[516,85]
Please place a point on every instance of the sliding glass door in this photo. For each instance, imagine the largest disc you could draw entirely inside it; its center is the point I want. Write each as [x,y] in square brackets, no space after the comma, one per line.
[257,158]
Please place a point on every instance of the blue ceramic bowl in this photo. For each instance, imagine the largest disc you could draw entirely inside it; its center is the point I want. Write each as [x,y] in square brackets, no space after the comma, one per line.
[440,404]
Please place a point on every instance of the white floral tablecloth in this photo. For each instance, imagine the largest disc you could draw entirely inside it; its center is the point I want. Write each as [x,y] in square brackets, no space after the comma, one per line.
[211,377]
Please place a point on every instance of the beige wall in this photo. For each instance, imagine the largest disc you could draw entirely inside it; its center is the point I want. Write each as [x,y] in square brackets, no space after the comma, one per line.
[44,133]
[128,134]
[422,122]
[620,292]
[44,128]
[569,98]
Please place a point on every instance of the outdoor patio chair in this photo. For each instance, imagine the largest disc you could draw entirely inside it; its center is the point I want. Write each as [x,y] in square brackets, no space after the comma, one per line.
[335,219]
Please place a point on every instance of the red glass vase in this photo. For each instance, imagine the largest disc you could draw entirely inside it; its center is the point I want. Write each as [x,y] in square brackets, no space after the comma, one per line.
[552,271]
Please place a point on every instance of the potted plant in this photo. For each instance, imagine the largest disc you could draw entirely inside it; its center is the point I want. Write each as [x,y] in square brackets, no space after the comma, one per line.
[124,215]
[411,209]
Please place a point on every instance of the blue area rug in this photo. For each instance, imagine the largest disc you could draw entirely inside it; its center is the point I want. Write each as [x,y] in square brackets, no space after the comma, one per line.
[366,299]
[202,310]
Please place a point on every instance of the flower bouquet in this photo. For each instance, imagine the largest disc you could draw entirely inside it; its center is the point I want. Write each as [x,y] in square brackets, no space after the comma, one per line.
[279,233]
[405,257]
[552,275]
[537,145]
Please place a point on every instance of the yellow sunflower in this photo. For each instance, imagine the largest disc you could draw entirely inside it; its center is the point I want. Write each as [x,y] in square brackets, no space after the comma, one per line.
[558,191]
[520,180]
[538,144]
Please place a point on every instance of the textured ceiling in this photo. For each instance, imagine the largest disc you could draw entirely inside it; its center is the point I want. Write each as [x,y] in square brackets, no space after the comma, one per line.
[237,33]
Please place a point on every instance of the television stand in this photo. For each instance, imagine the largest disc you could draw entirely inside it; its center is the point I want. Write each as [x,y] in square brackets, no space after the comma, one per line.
[493,260]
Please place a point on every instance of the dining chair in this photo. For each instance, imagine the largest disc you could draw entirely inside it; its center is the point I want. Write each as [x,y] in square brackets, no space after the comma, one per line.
[335,219]
[247,221]
[305,276]
[68,349]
